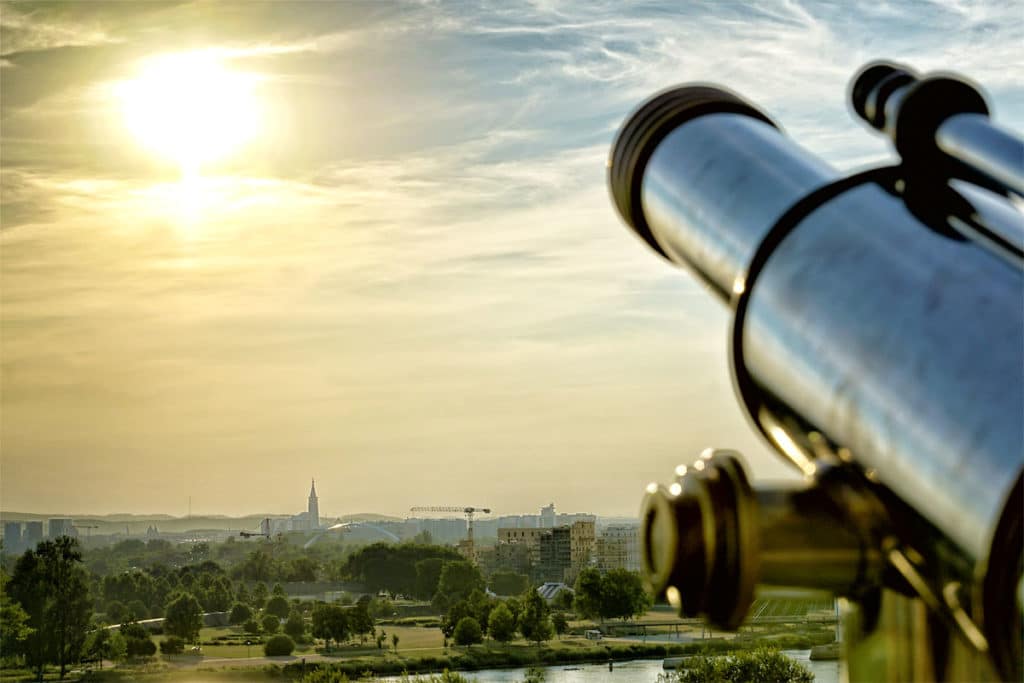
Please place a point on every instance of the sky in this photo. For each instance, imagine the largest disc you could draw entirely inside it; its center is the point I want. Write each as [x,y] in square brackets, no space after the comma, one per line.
[247,244]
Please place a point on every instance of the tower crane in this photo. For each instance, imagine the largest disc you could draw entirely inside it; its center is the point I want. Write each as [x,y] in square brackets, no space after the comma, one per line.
[467,510]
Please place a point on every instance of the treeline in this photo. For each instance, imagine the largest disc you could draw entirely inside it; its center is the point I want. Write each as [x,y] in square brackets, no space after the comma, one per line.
[408,569]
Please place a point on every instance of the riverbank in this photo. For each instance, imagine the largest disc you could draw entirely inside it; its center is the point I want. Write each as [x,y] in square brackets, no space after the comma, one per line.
[474,658]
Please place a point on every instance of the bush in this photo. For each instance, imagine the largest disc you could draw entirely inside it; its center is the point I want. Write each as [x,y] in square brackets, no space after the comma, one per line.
[467,632]
[278,645]
[763,665]
[139,647]
[172,645]
[251,626]
[270,624]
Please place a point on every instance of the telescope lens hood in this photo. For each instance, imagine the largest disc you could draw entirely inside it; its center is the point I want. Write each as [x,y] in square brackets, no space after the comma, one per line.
[646,127]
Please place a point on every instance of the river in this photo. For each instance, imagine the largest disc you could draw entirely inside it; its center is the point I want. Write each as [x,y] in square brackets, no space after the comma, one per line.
[641,670]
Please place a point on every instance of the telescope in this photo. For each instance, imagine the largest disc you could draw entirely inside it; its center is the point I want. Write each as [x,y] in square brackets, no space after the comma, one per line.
[877,344]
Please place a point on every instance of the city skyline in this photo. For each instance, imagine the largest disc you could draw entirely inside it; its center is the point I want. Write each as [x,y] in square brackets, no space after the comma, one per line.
[385,253]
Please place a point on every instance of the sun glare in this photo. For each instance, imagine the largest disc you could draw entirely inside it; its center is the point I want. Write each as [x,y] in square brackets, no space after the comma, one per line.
[191,109]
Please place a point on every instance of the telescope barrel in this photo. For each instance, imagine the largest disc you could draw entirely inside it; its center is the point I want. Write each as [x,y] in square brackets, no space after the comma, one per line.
[861,323]
[705,193]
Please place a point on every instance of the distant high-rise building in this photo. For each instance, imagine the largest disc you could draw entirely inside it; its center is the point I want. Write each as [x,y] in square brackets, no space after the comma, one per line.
[555,554]
[61,526]
[33,534]
[618,548]
[547,516]
[12,536]
[313,512]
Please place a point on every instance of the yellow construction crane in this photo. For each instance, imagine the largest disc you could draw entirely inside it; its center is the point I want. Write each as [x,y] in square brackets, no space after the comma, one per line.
[469,511]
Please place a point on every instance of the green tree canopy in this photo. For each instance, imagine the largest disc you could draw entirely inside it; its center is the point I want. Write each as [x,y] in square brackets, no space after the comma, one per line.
[52,588]
[623,595]
[589,596]
[330,622]
[560,622]
[534,622]
[239,614]
[184,617]
[459,578]
[270,623]
[509,583]
[467,632]
[390,567]
[278,606]
[502,624]
[296,625]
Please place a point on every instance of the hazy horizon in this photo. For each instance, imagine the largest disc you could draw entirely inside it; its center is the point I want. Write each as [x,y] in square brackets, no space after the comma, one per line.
[244,245]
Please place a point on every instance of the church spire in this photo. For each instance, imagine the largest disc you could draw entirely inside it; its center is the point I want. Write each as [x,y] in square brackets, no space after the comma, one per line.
[313,511]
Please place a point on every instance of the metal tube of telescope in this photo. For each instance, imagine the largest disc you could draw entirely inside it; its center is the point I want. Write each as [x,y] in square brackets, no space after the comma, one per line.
[976,141]
[892,339]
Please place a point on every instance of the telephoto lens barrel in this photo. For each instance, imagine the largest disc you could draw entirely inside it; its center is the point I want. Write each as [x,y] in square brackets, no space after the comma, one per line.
[871,336]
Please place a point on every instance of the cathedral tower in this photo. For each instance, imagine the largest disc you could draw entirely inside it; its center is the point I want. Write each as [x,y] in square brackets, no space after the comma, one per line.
[314,507]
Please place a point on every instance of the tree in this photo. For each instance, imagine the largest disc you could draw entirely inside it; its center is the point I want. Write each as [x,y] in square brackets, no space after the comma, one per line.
[458,580]
[279,645]
[239,614]
[457,613]
[623,595]
[116,611]
[270,623]
[589,597]
[330,622]
[278,590]
[467,632]
[428,574]
[302,569]
[138,642]
[51,586]
[560,622]
[259,595]
[359,620]
[295,626]
[137,610]
[278,606]
[14,628]
[242,595]
[509,583]
[534,622]
[172,645]
[184,617]
[481,605]
[502,624]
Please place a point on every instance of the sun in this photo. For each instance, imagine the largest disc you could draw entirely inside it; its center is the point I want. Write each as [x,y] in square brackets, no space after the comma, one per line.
[189,108]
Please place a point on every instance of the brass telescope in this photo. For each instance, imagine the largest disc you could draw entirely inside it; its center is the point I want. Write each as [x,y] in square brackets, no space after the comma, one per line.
[877,344]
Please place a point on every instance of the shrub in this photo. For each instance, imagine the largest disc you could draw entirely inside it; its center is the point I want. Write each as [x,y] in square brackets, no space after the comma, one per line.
[763,665]
[172,645]
[251,626]
[140,647]
[270,623]
[467,632]
[278,645]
